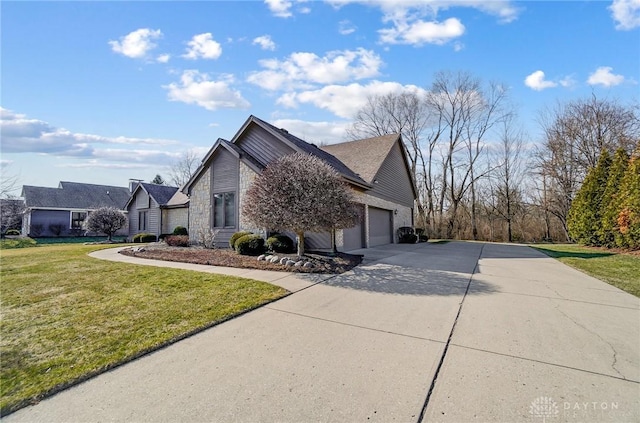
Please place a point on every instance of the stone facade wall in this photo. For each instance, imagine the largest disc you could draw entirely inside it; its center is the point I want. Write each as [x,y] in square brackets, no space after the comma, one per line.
[174,217]
[200,205]
[247,176]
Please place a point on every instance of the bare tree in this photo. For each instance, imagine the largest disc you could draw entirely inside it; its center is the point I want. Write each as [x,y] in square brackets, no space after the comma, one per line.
[183,169]
[404,113]
[508,173]
[9,183]
[467,113]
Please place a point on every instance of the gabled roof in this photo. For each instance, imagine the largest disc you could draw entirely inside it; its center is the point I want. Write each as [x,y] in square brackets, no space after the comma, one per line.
[305,147]
[234,149]
[364,156]
[75,195]
[160,193]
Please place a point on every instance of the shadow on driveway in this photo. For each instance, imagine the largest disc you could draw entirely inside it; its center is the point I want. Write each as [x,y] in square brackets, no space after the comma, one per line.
[399,280]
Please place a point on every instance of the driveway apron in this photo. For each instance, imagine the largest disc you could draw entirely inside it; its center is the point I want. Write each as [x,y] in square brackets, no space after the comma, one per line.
[455,331]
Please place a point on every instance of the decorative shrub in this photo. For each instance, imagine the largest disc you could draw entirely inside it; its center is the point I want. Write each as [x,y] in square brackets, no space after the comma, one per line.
[234,238]
[17,243]
[180,230]
[144,238]
[250,245]
[279,243]
[12,232]
[177,240]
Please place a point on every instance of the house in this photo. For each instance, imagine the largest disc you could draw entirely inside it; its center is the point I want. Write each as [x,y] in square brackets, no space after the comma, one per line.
[376,169]
[156,209]
[62,211]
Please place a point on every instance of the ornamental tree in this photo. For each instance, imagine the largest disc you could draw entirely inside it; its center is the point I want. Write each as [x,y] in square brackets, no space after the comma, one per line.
[106,220]
[300,193]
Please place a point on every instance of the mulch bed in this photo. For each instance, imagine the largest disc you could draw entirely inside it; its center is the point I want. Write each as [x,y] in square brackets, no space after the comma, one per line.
[322,263]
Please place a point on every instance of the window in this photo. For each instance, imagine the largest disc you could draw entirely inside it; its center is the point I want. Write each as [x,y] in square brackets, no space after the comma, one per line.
[77,219]
[224,210]
[142,221]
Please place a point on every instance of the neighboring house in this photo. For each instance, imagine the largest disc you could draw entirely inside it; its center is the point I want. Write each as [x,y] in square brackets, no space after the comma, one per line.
[156,209]
[375,168]
[62,211]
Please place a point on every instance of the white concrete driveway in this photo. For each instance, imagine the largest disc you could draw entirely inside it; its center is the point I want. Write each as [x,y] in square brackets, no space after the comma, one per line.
[449,332]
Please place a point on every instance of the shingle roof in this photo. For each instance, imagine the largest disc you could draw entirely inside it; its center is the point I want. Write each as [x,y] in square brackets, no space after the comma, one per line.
[365,156]
[75,195]
[179,199]
[161,193]
[328,157]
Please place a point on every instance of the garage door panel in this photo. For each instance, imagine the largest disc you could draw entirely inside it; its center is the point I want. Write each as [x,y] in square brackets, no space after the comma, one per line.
[380,227]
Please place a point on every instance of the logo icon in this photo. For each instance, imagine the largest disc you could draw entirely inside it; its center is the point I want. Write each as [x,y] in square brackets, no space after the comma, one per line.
[544,407]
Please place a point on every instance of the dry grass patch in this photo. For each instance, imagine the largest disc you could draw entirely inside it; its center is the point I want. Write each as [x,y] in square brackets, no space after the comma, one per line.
[66,315]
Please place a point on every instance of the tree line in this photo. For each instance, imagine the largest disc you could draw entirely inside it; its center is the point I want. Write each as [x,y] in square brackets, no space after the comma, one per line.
[478,173]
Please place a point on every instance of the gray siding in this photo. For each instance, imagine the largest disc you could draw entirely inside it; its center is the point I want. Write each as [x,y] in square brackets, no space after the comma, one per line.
[144,203]
[226,172]
[262,145]
[394,181]
[317,241]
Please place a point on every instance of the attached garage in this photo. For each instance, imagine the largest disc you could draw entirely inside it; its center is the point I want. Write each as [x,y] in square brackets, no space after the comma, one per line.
[380,227]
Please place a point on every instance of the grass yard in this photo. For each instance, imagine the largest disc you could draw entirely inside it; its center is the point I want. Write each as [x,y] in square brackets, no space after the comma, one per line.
[619,270]
[66,316]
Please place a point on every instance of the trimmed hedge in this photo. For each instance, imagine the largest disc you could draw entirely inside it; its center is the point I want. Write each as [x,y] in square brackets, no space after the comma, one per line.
[250,245]
[180,230]
[177,240]
[279,243]
[235,236]
[139,238]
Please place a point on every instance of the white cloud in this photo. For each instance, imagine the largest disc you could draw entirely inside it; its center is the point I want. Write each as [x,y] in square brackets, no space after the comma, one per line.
[163,58]
[265,42]
[315,132]
[604,76]
[136,44]
[203,46]
[344,100]
[415,21]
[419,32]
[21,134]
[346,27]
[280,8]
[568,81]
[196,88]
[626,13]
[536,81]
[301,69]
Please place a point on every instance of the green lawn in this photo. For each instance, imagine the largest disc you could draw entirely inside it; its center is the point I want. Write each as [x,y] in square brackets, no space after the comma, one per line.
[65,316]
[620,270]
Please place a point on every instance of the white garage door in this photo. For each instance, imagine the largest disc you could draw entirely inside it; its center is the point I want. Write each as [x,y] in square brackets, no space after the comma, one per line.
[380,227]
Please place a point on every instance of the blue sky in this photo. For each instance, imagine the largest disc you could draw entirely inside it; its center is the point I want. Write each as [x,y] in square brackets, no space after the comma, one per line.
[101,92]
